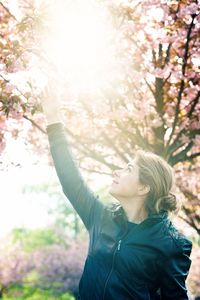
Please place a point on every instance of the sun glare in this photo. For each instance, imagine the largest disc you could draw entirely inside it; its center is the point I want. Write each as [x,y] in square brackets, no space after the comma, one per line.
[79,42]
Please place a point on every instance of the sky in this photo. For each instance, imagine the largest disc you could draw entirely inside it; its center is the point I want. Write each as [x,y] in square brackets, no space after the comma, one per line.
[18,209]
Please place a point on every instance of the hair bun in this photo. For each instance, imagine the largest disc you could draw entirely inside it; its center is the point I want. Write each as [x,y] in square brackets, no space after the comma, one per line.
[168,202]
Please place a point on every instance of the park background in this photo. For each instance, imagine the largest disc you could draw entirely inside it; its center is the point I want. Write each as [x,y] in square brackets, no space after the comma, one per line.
[127,73]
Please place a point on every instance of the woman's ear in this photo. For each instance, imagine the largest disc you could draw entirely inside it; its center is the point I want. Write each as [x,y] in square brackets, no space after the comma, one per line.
[144,189]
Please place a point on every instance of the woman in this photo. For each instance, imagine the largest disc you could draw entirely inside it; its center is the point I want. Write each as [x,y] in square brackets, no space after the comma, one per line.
[134,252]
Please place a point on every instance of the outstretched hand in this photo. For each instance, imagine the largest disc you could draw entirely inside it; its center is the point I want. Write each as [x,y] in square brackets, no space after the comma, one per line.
[50,102]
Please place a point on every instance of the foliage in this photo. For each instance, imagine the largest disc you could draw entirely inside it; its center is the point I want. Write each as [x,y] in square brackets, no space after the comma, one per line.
[51,271]
[33,239]
[64,216]
[15,263]
[46,268]
[57,267]
[29,293]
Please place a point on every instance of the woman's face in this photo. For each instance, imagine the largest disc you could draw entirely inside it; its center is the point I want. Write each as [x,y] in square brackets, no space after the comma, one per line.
[126,181]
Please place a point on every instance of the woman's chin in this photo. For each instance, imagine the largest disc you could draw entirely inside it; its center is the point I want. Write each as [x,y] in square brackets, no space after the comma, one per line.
[112,191]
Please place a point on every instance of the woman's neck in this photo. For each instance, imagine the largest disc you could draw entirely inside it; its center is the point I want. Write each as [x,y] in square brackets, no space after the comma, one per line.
[135,210]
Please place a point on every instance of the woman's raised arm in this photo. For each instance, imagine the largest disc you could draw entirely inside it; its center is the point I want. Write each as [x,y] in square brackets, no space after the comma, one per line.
[84,201]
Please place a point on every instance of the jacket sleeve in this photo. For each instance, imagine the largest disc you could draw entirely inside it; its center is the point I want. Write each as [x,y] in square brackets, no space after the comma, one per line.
[86,204]
[174,273]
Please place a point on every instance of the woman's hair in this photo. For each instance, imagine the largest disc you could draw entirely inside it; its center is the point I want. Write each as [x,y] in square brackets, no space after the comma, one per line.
[159,175]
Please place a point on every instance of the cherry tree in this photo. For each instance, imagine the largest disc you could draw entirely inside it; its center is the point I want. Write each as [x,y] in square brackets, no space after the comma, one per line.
[51,267]
[154,103]
[15,264]
[151,100]
[18,92]
[57,269]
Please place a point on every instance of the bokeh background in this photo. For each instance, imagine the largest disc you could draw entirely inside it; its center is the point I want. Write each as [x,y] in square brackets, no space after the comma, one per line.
[127,74]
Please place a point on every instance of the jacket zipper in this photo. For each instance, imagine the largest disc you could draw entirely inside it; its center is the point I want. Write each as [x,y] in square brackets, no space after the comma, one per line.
[116,249]
[119,245]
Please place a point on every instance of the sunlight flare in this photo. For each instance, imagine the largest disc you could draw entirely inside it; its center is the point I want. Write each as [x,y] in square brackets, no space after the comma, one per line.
[78,40]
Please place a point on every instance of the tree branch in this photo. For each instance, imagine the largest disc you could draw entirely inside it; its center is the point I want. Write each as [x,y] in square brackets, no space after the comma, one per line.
[195,101]
[167,58]
[112,144]
[76,145]
[34,124]
[181,156]
[189,114]
[192,156]
[149,86]
[189,221]
[91,153]
[182,81]
[95,171]
[8,11]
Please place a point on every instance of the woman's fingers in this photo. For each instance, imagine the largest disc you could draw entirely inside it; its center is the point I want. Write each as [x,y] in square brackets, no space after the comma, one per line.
[49,90]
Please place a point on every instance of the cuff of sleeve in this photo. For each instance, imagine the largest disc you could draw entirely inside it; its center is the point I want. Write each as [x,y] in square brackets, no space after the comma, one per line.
[54,127]
[56,133]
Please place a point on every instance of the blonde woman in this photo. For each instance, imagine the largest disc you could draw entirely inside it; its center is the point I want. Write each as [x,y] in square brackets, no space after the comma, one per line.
[135,252]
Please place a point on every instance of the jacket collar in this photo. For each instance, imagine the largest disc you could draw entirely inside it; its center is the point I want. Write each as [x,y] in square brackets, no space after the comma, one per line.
[119,213]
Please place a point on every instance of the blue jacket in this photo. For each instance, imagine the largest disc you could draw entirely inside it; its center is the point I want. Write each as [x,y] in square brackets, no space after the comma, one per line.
[125,261]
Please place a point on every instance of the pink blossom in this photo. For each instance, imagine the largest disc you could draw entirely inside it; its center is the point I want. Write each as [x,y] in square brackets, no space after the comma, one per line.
[15,66]
[2,67]
[195,125]
[188,10]
[157,122]
[9,87]
[170,110]
[14,263]
[184,124]
[176,77]
[173,91]
[184,139]
[161,73]
[2,122]
[16,114]
[197,140]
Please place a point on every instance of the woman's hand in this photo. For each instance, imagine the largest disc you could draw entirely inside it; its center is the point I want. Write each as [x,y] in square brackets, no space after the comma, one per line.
[51,103]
